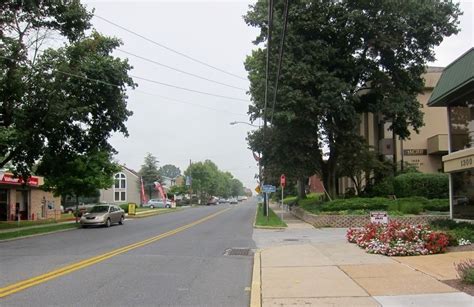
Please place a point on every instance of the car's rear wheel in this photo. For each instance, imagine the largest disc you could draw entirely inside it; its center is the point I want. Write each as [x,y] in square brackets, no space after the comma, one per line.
[121,220]
[151,207]
[107,223]
[168,206]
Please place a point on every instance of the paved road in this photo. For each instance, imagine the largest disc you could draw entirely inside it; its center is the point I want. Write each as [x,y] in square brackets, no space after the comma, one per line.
[183,269]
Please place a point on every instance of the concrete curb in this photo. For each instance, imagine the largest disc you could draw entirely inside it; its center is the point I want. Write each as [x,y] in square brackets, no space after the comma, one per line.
[38,234]
[256,289]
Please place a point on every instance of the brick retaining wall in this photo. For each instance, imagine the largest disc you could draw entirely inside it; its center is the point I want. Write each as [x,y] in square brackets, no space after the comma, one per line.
[345,221]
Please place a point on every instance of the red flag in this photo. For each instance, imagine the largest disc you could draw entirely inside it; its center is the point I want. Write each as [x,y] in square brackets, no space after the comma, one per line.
[142,191]
[159,188]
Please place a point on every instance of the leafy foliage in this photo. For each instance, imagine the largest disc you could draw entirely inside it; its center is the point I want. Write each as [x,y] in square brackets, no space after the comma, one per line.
[52,105]
[170,171]
[208,180]
[78,175]
[419,184]
[342,58]
[149,173]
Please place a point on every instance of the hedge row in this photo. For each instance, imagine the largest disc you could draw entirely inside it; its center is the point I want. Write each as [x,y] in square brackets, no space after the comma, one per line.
[409,205]
[431,186]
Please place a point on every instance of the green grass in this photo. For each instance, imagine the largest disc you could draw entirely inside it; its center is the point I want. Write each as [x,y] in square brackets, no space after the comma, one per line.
[34,231]
[22,224]
[273,219]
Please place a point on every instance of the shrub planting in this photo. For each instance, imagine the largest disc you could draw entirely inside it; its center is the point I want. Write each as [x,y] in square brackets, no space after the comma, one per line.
[419,184]
[462,233]
[465,270]
[397,239]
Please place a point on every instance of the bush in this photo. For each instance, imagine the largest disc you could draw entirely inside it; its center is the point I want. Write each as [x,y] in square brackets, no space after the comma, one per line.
[290,200]
[437,205]
[406,206]
[124,207]
[465,271]
[419,184]
[376,203]
[456,230]
[382,188]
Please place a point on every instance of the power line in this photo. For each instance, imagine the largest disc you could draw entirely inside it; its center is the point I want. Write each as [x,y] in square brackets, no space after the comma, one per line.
[148,80]
[179,70]
[280,58]
[187,89]
[169,49]
[190,103]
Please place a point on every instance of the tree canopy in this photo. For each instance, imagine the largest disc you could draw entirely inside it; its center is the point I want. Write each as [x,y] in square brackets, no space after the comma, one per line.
[170,171]
[149,173]
[208,180]
[341,59]
[58,105]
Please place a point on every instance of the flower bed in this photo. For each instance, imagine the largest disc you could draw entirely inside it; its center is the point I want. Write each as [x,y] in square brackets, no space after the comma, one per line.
[398,239]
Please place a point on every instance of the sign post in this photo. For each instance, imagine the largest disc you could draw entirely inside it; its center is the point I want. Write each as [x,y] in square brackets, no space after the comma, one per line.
[282,184]
[267,189]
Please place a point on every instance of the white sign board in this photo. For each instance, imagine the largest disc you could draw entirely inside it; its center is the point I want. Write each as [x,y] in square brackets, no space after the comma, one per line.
[379,217]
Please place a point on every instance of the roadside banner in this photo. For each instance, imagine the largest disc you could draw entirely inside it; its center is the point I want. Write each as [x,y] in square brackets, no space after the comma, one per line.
[142,192]
[159,188]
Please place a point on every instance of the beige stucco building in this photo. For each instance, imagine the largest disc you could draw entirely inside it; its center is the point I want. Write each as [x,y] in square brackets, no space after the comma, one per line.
[26,201]
[126,188]
[423,150]
[455,93]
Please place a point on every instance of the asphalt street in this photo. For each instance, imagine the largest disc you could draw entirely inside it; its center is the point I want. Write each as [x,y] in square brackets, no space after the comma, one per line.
[187,268]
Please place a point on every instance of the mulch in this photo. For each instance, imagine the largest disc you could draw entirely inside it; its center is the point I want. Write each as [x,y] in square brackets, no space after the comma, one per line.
[459,285]
[464,248]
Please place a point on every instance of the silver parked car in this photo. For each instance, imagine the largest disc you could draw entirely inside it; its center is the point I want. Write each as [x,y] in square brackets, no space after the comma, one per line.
[157,203]
[104,215]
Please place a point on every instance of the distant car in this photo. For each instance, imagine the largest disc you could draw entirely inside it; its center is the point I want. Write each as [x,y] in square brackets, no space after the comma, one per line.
[240,198]
[81,209]
[223,201]
[212,201]
[233,200]
[157,203]
[103,215]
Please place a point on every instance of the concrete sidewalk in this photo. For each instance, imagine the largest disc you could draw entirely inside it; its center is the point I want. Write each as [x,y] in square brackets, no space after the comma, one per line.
[304,266]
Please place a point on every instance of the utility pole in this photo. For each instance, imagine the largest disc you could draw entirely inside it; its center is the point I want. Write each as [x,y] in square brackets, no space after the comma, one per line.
[269,39]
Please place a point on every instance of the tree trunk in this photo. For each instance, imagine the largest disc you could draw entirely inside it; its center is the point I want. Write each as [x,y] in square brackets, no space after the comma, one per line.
[301,188]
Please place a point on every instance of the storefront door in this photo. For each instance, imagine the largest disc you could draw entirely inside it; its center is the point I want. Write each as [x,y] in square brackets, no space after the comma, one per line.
[3,205]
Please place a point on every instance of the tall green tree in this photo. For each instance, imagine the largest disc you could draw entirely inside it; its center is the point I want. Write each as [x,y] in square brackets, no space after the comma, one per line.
[344,58]
[149,173]
[170,171]
[61,102]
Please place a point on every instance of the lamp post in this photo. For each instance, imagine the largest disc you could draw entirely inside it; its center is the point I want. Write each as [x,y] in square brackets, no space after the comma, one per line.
[260,173]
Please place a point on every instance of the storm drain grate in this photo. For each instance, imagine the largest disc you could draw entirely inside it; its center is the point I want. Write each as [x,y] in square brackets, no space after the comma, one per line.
[290,239]
[238,252]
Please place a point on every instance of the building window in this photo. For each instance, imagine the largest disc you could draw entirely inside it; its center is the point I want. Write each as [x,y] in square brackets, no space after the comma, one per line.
[120,186]
[462,126]
[463,194]
[120,181]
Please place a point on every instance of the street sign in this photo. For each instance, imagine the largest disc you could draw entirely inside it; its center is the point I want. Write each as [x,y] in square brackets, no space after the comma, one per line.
[269,188]
[188,181]
[282,181]
[257,189]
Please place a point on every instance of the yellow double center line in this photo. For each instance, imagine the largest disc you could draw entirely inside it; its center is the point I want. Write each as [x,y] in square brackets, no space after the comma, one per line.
[27,283]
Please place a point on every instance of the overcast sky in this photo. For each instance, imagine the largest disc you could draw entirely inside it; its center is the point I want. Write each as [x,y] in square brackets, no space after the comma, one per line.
[215,33]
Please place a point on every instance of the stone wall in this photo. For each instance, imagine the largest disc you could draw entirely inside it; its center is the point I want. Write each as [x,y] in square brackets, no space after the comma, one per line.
[345,221]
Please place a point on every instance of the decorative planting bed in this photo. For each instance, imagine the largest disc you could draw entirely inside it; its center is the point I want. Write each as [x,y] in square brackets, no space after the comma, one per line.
[346,221]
